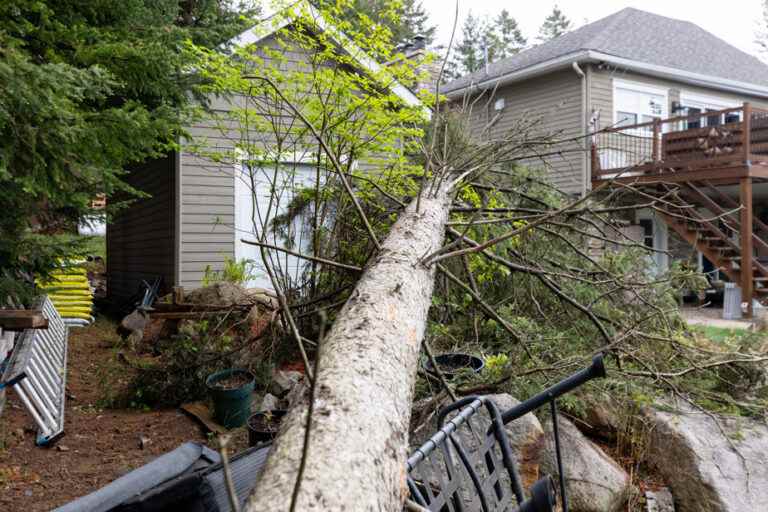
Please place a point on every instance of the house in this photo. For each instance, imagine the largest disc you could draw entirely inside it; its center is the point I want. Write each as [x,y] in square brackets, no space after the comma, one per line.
[645,99]
[198,208]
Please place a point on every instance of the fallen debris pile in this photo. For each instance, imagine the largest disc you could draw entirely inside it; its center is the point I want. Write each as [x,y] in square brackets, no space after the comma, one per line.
[182,338]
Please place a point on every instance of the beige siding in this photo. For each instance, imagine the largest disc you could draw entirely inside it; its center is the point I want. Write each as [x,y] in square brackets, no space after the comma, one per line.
[207,212]
[140,238]
[207,189]
[556,100]
[601,91]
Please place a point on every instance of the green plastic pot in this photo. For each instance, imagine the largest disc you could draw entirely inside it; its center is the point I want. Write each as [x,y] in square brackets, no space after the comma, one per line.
[231,407]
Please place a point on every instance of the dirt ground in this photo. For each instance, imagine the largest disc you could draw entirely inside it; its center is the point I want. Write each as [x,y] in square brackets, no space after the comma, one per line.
[99,444]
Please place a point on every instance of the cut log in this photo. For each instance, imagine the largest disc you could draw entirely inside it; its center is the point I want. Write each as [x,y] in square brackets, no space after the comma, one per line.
[20,319]
[364,383]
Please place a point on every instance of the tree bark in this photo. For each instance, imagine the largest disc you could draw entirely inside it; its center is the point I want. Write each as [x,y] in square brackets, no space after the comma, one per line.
[364,383]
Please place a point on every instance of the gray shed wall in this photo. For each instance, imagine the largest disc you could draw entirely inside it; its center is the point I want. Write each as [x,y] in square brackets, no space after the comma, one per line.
[140,238]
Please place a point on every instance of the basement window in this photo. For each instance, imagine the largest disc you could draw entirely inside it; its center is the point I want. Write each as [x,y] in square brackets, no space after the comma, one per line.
[647,225]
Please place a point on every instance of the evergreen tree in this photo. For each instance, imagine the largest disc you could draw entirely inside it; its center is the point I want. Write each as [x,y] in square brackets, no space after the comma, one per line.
[503,37]
[414,21]
[469,54]
[404,18]
[88,88]
[555,25]
[482,39]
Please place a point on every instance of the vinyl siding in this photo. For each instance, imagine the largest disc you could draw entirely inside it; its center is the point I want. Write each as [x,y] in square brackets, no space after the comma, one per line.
[140,238]
[207,189]
[556,100]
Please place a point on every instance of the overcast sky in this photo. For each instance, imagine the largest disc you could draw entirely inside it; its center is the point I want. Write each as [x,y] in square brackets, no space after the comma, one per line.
[735,21]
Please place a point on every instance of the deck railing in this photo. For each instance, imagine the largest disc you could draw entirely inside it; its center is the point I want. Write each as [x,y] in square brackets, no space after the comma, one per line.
[715,139]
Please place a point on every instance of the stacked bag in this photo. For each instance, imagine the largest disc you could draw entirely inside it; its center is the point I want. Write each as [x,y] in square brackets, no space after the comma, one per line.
[71,293]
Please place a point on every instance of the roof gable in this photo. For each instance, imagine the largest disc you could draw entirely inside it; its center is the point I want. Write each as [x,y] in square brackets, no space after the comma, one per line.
[641,37]
[284,17]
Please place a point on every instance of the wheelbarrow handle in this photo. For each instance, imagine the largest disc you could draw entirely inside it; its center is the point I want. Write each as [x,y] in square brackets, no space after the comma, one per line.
[594,371]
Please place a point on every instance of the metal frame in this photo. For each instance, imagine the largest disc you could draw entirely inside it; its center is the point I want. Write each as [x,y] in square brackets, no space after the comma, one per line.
[37,372]
[462,463]
[465,462]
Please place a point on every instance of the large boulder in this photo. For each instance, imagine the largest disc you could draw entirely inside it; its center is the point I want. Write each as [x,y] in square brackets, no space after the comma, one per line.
[266,298]
[526,436]
[708,469]
[221,293]
[604,415]
[595,483]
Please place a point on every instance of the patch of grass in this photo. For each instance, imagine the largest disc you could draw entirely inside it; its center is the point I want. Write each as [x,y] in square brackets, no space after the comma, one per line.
[95,245]
[721,334]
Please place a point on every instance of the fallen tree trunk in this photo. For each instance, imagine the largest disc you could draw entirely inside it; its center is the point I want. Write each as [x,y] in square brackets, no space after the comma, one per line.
[364,384]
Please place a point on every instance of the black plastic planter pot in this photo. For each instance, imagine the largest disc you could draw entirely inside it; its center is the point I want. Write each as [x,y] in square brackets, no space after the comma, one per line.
[453,363]
[231,392]
[263,426]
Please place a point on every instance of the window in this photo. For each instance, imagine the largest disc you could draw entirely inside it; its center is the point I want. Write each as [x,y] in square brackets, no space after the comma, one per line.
[695,104]
[263,197]
[715,119]
[696,121]
[647,225]
[636,102]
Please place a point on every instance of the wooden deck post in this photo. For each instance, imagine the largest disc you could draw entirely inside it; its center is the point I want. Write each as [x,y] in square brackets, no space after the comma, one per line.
[746,133]
[656,154]
[745,240]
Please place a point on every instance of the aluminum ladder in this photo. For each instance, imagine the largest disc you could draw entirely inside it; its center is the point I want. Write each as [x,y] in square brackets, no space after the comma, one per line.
[37,371]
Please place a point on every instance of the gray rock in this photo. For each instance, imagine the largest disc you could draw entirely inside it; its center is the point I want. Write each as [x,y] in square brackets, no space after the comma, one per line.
[525,435]
[700,464]
[264,297]
[594,481]
[283,382]
[659,501]
[132,328]
[219,294]
[135,321]
[604,415]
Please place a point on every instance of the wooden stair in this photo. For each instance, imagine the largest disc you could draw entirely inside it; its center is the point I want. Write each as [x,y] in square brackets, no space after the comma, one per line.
[717,235]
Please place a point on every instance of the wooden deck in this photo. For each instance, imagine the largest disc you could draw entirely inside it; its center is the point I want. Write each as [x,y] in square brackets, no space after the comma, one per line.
[689,158]
[721,147]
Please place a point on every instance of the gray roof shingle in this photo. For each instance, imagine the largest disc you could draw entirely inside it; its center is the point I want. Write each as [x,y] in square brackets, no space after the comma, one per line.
[640,36]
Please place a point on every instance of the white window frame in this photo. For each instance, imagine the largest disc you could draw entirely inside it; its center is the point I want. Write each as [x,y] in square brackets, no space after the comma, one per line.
[640,87]
[660,239]
[301,158]
[698,100]
[617,158]
[298,158]
[706,102]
